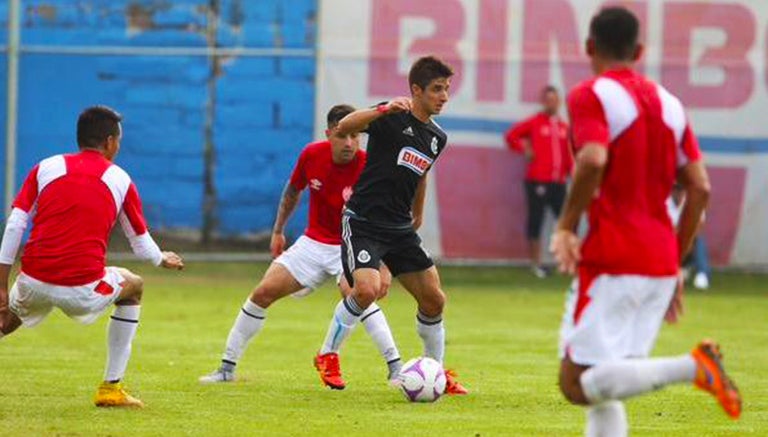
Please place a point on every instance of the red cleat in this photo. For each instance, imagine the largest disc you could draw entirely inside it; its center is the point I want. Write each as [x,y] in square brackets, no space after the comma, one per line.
[327,366]
[453,387]
[711,377]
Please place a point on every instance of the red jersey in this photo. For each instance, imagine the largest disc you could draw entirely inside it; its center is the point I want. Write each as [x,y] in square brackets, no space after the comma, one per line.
[330,186]
[648,138]
[74,201]
[552,159]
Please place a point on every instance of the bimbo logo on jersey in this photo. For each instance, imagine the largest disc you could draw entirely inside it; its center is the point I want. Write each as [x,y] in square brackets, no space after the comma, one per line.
[414,160]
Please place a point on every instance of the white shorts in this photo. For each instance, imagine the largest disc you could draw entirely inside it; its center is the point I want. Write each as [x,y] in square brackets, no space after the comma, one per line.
[311,263]
[614,317]
[31,300]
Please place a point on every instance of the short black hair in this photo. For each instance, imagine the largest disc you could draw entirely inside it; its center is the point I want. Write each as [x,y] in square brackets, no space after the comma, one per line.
[549,89]
[615,31]
[427,69]
[338,112]
[95,125]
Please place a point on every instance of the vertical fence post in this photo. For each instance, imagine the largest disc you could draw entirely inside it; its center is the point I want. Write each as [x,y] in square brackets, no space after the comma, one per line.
[209,151]
[14,17]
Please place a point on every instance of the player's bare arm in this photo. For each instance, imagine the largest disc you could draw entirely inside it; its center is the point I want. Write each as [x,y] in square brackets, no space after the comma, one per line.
[590,163]
[359,120]
[288,203]
[695,181]
[5,271]
[417,210]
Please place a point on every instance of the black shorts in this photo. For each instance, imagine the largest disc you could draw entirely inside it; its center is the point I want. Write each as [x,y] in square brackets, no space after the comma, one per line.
[366,245]
[541,195]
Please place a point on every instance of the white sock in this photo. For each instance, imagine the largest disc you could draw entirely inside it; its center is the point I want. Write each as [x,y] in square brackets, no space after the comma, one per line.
[345,317]
[631,377]
[120,333]
[248,323]
[432,333]
[377,327]
[608,419]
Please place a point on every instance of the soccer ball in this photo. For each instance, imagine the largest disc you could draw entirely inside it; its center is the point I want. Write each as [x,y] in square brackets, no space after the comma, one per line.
[422,380]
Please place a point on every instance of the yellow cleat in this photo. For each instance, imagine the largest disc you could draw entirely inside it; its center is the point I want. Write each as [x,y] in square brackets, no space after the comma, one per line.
[112,394]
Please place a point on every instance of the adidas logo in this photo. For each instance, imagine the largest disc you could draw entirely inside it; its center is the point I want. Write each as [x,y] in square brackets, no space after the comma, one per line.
[408,131]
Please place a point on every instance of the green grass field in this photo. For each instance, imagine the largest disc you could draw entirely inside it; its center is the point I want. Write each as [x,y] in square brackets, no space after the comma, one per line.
[502,334]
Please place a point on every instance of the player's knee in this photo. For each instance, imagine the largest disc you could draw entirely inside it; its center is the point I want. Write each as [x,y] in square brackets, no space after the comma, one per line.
[264,295]
[365,293]
[133,289]
[433,303]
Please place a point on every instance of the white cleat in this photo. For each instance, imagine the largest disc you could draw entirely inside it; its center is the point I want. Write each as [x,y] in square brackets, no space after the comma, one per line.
[394,378]
[539,272]
[217,377]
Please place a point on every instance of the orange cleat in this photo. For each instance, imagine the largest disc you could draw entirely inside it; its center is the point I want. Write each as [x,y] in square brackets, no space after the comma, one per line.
[327,366]
[711,377]
[453,387]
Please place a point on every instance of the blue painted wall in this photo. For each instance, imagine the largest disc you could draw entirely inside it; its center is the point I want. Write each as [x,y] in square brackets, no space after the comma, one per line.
[264,105]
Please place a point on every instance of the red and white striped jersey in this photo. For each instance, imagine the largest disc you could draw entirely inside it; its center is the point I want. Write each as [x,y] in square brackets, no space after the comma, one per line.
[648,138]
[74,201]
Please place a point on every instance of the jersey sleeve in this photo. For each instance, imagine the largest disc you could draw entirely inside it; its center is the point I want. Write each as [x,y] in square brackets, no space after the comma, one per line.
[25,199]
[588,122]
[689,150]
[517,132]
[299,175]
[135,228]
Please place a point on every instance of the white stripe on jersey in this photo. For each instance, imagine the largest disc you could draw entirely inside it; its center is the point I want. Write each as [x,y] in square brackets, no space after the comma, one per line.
[118,182]
[49,170]
[674,117]
[619,107]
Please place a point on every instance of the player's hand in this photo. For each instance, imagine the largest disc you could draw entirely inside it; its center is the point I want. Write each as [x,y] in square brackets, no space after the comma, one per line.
[675,310]
[385,280]
[277,244]
[566,246]
[399,104]
[528,150]
[172,261]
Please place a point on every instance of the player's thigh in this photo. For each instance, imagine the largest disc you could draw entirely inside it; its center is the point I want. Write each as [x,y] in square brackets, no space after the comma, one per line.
[361,248]
[29,301]
[598,322]
[86,303]
[277,283]
[424,286]
[305,263]
[656,295]
[131,286]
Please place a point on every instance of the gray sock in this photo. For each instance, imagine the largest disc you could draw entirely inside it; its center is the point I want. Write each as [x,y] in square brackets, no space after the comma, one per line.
[228,366]
[394,367]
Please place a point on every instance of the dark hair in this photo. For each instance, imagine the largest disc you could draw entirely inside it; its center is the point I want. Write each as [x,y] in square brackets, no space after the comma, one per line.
[427,69]
[548,89]
[95,125]
[615,31]
[338,112]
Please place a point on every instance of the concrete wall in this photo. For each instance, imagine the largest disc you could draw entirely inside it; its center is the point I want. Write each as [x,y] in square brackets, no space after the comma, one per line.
[263,106]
